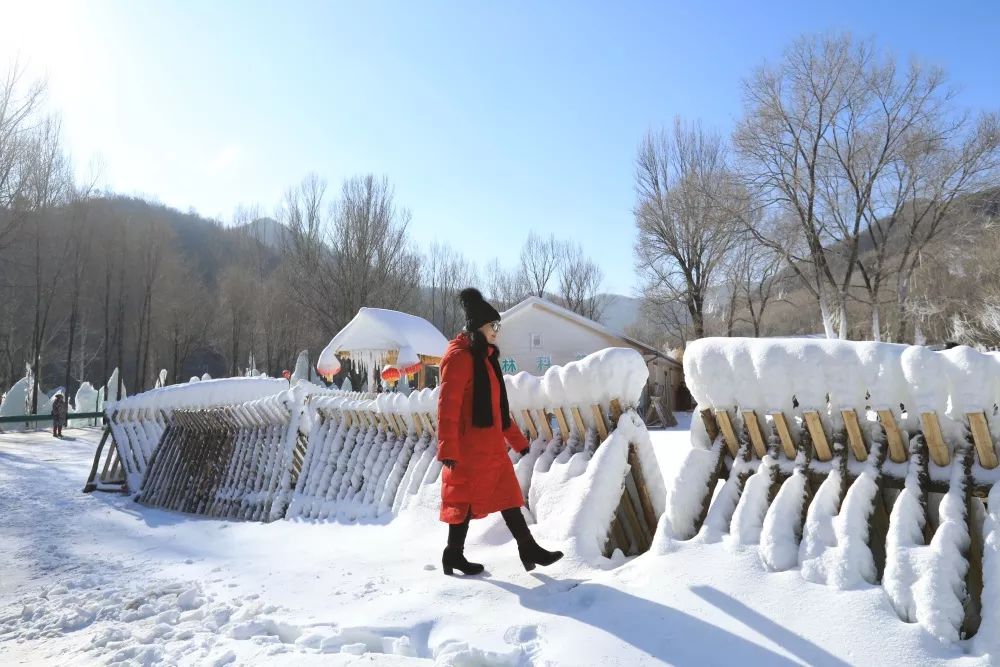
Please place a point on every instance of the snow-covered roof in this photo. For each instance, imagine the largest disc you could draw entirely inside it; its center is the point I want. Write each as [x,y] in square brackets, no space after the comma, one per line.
[375,332]
[531,301]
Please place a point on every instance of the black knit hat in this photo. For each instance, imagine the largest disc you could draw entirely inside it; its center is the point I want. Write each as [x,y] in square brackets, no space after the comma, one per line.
[477,311]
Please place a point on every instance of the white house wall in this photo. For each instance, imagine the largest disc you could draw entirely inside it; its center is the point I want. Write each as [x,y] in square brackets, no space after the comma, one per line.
[562,340]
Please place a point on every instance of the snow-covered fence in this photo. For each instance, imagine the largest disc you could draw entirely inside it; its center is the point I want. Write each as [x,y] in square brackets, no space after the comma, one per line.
[860,463]
[237,461]
[137,423]
[589,458]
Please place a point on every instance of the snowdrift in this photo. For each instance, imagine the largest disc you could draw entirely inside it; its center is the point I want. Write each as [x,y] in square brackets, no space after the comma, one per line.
[859,463]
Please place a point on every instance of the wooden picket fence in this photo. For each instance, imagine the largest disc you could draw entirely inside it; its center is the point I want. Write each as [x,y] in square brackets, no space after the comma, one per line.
[338,456]
[781,445]
[237,462]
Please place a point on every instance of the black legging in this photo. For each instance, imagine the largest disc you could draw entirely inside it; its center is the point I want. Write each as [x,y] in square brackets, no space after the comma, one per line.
[513,517]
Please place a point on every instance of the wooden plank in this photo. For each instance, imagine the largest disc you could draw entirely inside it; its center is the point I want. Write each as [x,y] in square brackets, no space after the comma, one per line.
[642,491]
[616,411]
[897,449]
[620,537]
[532,431]
[578,422]
[855,437]
[711,425]
[429,422]
[722,417]
[820,443]
[984,442]
[602,425]
[630,531]
[935,440]
[644,536]
[542,422]
[784,434]
[91,478]
[418,424]
[561,420]
[756,435]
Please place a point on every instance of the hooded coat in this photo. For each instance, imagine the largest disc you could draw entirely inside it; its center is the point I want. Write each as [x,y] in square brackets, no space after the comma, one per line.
[483,477]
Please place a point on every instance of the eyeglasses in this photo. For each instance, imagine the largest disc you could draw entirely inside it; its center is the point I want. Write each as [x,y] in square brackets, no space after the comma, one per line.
[495,326]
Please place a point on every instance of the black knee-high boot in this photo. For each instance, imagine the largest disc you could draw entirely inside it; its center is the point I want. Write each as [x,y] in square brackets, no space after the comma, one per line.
[453,557]
[531,554]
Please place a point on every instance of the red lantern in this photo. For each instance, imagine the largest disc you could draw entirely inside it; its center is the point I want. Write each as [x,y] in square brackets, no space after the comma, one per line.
[391,374]
[286,374]
[412,369]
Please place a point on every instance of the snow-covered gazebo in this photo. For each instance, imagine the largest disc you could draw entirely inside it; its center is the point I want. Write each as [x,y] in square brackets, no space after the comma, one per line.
[377,337]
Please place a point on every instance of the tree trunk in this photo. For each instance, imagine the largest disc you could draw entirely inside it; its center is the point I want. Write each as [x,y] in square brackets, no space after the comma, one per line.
[824,312]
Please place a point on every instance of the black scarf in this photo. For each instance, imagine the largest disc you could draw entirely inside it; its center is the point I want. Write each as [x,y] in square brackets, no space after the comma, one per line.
[482,394]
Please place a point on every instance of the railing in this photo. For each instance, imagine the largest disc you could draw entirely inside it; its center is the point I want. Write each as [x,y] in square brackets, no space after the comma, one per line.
[18,419]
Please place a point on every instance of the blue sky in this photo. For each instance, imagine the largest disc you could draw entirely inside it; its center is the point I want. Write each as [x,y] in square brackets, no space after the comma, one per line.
[491,119]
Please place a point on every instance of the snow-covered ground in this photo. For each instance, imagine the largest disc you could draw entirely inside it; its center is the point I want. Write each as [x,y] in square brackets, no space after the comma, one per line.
[98,579]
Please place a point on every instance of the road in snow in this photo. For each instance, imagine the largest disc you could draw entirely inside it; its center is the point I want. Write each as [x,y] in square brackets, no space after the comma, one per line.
[98,579]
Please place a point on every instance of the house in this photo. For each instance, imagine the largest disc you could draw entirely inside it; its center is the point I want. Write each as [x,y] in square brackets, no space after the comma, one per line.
[537,334]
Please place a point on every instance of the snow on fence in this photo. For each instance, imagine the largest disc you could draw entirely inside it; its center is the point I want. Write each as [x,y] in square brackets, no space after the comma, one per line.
[137,423]
[237,461]
[372,458]
[333,455]
[859,463]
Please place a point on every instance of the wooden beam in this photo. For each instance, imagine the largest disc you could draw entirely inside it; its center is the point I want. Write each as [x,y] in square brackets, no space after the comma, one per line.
[820,444]
[711,426]
[602,426]
[756,435]
[984,442]
[897,449]
[561,420]
[722,417]
[935,440]
[854,435]
[92,477]
[578,422]
[784,434]
[532,431]
[542,422]
[616,411]
[429,422]
[643,491]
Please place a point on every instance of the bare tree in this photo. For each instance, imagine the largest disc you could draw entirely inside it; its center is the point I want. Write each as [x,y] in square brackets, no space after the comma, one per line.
[684,213]
[357,255]
[580,282]
[841,139]
[752,282]
[505,288]
[540,260]
[446,271]
[20,104]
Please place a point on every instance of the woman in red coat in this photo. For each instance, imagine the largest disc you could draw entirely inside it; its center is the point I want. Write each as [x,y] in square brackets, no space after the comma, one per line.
[474,429]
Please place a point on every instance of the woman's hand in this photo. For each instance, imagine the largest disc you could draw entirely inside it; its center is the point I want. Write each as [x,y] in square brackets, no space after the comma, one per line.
[448,463]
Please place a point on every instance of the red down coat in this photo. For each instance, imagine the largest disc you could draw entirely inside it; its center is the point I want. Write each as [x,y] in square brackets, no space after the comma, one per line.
[483,477]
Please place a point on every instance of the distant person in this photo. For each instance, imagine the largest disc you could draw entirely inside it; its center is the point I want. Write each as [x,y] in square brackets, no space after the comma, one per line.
[474,429]
[58,415]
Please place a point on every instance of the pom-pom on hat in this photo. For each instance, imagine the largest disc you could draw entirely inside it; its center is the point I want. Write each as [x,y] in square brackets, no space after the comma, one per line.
[477,311]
